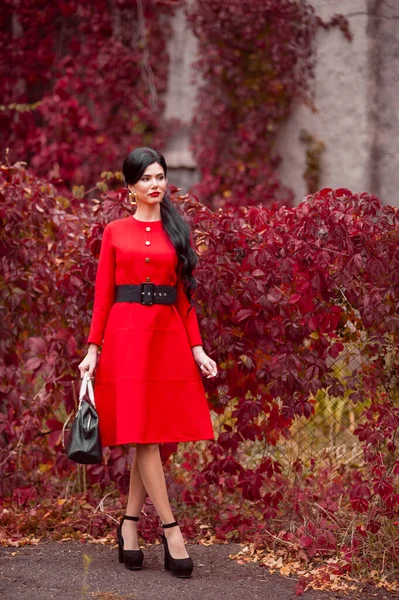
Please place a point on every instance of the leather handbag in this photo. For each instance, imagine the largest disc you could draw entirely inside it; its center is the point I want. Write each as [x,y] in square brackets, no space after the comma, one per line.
[84,442]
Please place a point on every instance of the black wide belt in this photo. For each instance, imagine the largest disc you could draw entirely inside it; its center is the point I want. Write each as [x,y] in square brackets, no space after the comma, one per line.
[146,293]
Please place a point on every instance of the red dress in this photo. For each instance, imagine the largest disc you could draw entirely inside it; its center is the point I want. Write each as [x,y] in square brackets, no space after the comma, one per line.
[148,388]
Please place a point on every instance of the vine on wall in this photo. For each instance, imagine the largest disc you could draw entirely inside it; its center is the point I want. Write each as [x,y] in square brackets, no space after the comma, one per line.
[314,151]
[96,71]
[255,57]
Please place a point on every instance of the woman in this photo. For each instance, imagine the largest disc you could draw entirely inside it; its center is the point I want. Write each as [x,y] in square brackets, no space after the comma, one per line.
[148,387]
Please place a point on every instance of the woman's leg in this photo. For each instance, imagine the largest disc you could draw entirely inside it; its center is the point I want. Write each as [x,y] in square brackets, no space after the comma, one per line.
[153,478]
[137,495]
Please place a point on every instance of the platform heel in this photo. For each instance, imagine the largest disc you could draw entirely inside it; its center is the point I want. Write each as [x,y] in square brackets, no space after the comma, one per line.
[132,559]
[179,567]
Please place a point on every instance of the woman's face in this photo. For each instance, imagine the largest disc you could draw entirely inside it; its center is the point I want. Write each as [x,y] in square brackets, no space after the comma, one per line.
[151,187]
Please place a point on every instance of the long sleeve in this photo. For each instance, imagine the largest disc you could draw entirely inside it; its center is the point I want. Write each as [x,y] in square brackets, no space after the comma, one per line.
[104,293]
[190,321]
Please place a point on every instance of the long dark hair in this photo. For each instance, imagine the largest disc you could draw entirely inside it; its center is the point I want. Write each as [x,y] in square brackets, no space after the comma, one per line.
[173,222]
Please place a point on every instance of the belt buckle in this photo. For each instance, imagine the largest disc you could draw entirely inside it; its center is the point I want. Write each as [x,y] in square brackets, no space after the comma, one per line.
[147,294]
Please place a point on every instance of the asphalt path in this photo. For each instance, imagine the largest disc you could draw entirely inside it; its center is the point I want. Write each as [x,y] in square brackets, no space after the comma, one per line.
[56,570]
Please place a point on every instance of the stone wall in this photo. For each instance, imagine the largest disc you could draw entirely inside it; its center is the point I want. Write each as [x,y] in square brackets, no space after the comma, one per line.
[356,100]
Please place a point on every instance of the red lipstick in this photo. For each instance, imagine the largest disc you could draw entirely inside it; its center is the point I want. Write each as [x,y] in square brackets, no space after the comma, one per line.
[155,194]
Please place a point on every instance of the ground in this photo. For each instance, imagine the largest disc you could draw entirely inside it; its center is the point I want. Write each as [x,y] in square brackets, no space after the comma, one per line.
[57,570]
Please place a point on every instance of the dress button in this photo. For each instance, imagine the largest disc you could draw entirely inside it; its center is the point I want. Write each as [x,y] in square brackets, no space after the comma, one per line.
[147,259]
[148,228]
[148,278]
[147,243]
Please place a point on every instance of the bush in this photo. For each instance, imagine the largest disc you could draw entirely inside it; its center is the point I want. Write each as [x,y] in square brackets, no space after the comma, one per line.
[284,297]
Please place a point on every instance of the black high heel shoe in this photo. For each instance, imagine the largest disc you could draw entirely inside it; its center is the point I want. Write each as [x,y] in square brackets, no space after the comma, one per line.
[133,559]
[180,567]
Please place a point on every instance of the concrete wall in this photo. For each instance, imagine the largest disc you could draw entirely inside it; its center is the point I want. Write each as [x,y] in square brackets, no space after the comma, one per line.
[383,30]
[341,99]
[180,102]
[356,98]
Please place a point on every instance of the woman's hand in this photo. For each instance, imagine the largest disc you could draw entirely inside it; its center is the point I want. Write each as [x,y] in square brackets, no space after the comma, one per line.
[206,364]
[89,362]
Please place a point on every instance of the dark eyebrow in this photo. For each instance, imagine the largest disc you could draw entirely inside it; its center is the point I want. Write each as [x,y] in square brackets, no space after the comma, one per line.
[148,175]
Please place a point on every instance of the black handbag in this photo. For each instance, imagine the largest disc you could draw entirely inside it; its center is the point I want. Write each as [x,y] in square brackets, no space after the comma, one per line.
[84,442]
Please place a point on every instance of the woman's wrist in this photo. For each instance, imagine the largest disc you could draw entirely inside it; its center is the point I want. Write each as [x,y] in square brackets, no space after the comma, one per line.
[93,349]
[196,350]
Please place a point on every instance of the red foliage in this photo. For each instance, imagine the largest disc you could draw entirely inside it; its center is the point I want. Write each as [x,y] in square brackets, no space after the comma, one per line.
[282,294]
[97,71]
[255,58]
[41,267]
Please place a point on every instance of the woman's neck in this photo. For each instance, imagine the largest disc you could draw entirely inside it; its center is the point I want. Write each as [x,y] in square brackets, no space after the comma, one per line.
[148,213]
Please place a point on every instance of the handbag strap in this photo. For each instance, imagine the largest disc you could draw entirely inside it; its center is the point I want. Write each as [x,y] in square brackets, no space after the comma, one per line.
[86,386]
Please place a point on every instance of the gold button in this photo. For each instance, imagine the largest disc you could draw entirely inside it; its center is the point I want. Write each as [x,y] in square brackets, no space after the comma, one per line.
[147,259]
[148,228]
[148,278]
[147,243]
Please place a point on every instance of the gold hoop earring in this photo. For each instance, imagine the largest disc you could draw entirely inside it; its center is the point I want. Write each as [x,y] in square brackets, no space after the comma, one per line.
[133,198]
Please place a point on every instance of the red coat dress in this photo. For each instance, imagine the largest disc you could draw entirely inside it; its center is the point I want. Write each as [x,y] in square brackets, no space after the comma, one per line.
[148,388]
